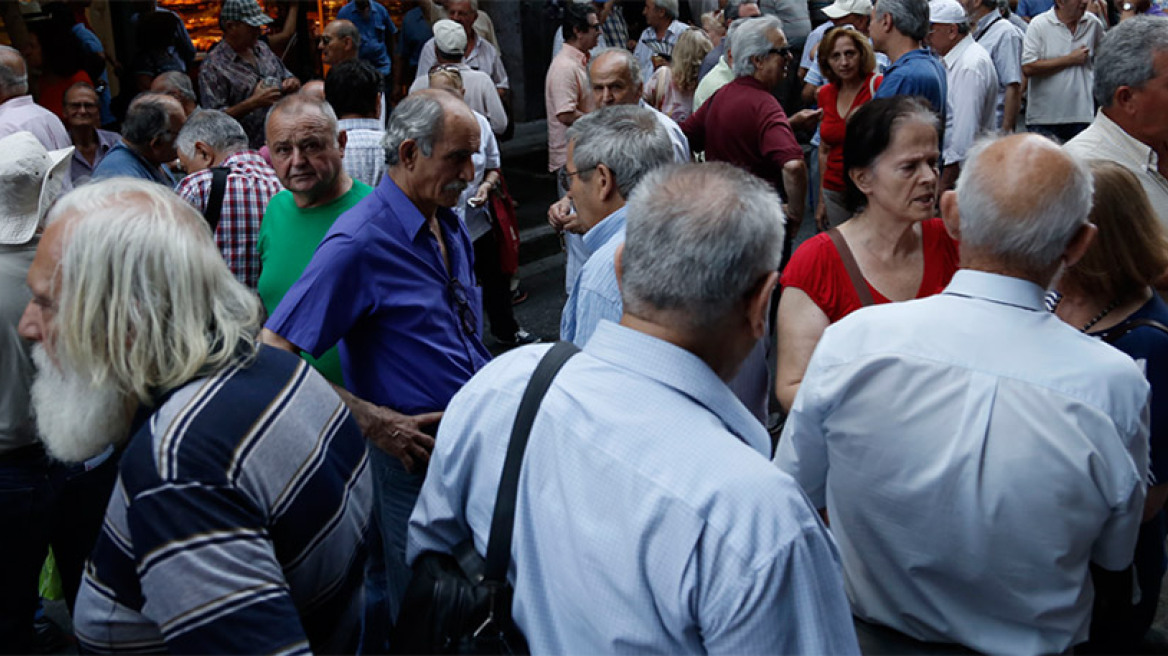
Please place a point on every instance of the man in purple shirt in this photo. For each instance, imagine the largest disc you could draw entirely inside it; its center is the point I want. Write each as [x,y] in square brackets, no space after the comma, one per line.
[392,284]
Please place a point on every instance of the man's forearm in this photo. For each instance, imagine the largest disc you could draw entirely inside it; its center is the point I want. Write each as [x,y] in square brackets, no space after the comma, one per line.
[1045,67]
[242,109]
[1012,104]
[795,183]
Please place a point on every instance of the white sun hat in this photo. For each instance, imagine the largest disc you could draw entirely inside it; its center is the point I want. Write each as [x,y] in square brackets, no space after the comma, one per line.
[31,178]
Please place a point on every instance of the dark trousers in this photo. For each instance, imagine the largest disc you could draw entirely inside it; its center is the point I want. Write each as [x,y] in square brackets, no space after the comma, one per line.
[496,288]
[43,504]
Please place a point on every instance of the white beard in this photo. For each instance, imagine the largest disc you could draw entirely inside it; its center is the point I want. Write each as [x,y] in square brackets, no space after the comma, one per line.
[76,421]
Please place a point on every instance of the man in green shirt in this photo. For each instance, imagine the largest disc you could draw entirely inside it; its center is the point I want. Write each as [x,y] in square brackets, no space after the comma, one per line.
[307,154]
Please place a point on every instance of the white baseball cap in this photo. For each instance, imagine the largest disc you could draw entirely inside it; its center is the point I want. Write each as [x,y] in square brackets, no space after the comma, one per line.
[31,178]
[449,37]
[841,8]
[947,12]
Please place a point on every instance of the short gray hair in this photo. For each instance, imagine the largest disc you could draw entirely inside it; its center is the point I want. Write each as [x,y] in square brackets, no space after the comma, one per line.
[147,119]
[1006,215]
[910,17]
[146,301]
[218,130]
[670,7]
[419,117]
[753,40]
[1126,58]
[698,238]
[346,28]
[294,104]
[11,82]
[627,139]
[180,83]
[629,59]
[730,31]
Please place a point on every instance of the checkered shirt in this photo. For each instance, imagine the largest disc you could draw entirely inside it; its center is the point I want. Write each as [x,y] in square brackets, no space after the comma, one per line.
[250,185]
[614,30]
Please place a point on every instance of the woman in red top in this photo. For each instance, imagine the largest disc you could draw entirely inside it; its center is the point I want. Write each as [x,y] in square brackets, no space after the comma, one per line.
[890,158]
[848,63]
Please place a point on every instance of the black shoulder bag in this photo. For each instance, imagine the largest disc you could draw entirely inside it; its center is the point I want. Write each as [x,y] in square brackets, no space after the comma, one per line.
[460,603]
[215,201]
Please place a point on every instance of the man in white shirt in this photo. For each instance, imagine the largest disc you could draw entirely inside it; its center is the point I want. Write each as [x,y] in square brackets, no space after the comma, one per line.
[662,33]
[973,84]
[1056,55]
[480,54]
[18,112]
[479,89]
[1131,88]
[975,453]
[1003,40]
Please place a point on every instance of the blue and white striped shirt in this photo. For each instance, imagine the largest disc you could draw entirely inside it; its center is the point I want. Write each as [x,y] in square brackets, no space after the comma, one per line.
[238,522]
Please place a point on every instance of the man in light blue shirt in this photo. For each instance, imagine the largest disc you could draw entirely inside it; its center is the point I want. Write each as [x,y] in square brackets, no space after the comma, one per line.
[974,453]
[897,29]
[647,518]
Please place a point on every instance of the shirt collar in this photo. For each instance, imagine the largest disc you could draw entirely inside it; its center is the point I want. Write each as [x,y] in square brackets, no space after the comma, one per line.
[575,53]
[1136,149]
[406,212]
[984,24]
[19,101]
[957,52]
[603,231]
[997,288]
[681,370]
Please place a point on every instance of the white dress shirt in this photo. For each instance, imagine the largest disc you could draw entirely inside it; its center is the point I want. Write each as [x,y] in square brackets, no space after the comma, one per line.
[1065,96]
[974,453]
[648,519]
[676,137]
[479,92]
[1103,139]
[972,95]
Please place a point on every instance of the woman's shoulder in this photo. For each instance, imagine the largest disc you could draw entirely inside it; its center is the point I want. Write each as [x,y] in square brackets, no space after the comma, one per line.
[811,261]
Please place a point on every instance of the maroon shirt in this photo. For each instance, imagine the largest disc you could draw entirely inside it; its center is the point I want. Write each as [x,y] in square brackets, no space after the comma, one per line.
[744,125]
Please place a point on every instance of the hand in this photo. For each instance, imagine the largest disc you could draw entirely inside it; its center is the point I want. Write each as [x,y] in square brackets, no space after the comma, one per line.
[398,435]
[806,119]
[560,214]
[264,96]
[821,215]
[1079,56]
[289,85]
[480,197]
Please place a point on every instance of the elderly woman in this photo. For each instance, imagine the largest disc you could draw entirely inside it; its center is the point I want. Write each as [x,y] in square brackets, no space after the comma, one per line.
[671,89]
[849,64]
[891,250]
[1108,294]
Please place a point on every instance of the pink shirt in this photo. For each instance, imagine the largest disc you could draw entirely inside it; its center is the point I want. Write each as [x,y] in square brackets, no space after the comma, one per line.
[566,89]
[21,114]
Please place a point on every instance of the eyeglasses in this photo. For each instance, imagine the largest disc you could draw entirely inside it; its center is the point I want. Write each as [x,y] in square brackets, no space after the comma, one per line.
[445,68]
[594,26]
[783,52]
[564,176]
[466,315]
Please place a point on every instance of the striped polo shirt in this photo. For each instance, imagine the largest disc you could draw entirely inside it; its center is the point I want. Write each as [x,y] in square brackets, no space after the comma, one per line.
[238,524]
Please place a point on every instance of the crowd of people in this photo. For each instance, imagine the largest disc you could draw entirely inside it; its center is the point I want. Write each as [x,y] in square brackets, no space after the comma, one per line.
[246,387]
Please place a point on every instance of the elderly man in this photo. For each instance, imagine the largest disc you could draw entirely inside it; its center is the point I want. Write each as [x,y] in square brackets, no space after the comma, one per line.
[615,76]
[897,29]
[213,145]
[642,460]
[744,125]
[90,143]
[177,85]
[972,81]
[660,35]
[478,89]
[915,427]
[722,73]
[18,112]
[479,54]
[241,75]
[409,334]
[734,10]
[1056,56]
[1003,41]
[340,41]
[377,36]
[152,124]
[47,503]
[307,149]
[353,88]
[244,484]
[1131,89]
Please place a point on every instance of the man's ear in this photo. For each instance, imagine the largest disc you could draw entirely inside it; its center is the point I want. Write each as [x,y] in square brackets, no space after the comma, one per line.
[342,139]
[607,181]
[1082,240]
[204,152]
[950,214]
[407,152]
[758,304]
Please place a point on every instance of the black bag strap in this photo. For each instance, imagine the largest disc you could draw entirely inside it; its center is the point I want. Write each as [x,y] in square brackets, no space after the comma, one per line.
[1123,329]
[853,269]
[218,190]
[499,546]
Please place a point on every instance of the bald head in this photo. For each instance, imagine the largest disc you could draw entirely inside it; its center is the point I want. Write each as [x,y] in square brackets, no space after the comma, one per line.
[13,74]
[1022,200]
[615,76]
[339,42]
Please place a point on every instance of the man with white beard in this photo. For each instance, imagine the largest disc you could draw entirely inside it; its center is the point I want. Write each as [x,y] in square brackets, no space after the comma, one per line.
[244,494]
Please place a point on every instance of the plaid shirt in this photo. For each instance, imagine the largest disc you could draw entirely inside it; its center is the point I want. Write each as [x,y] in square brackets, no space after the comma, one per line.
[364,151]
[225,80]
[250,185]
[614,30]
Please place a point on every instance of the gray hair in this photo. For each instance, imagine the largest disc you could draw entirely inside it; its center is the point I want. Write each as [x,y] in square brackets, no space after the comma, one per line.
[910,17]
[146,301]
[629,59]
[730,31]
[419,117]
[12,83]
[627,139]
[1126,58]
[180,83]
[147,119]
[670,7]
[296,102]
[218,130]
[346,28]
[1024,225]
[698,238]
[753,40]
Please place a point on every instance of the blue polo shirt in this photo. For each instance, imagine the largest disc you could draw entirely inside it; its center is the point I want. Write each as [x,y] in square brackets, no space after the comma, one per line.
[408,332]
[917,73]
[120,161]
[373,29]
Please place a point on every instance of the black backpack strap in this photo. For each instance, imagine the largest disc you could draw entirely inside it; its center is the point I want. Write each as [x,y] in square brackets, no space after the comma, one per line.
[1117,333]
[503,520]
[215,202]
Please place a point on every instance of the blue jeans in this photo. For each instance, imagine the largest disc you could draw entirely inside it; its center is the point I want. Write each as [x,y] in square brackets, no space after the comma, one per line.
[395,493]
[44,503]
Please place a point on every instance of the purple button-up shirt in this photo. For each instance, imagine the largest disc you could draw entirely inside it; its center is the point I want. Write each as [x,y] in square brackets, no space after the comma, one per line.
[408,330]
[81,170]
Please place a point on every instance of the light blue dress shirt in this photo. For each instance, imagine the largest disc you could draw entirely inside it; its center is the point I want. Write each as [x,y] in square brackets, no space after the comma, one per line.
[595,295]
[974,453]
[647,520]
